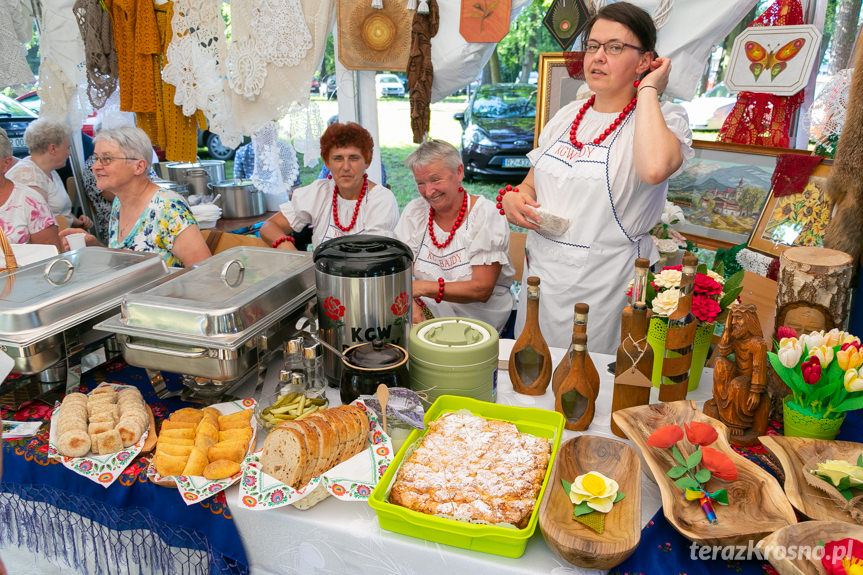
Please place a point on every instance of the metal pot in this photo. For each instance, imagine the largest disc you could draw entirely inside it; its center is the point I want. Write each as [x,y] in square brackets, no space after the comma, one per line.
[181,189]
[198,180]
[364,293]
[240,199]
[370,364]
[176,171]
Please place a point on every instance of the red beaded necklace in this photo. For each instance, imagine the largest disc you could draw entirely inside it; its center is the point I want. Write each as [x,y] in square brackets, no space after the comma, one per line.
[455,226]
[356,208]
[617,121]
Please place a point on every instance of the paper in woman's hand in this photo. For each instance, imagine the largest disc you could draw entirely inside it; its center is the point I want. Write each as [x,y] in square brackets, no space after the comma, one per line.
[551,223]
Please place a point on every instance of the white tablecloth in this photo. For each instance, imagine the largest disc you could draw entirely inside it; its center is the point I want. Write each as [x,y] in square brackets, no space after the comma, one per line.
[341,537]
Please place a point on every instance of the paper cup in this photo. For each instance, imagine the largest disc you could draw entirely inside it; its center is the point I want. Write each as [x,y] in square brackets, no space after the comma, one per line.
[76,241]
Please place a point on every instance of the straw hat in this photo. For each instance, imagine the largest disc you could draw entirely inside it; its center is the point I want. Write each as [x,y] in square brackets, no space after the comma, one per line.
[374,38]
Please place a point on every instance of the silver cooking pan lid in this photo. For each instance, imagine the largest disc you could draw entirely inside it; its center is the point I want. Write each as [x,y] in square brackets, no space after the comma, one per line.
[46,297]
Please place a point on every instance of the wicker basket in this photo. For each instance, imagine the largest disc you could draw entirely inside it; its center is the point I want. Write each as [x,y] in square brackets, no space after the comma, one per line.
[11,262]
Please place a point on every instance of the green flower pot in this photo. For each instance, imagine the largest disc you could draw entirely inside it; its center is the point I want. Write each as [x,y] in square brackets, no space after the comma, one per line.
[798,424]
[656,338]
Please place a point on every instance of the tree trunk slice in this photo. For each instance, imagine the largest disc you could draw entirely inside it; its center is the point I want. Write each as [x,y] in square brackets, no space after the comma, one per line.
[793,454]
[757,506]
[577,543]
[809,534]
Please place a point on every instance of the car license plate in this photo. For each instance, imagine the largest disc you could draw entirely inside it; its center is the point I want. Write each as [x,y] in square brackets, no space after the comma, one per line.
[17,142]
[516,163]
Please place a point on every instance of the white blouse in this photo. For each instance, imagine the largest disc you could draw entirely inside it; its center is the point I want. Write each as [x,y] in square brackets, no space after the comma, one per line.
[26,173]
[313,205]
[483,239]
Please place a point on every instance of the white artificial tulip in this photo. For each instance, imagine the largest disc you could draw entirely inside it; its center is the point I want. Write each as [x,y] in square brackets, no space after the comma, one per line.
[789,354]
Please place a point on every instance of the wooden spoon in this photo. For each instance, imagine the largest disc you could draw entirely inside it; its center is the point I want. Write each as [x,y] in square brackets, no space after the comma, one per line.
[383,394]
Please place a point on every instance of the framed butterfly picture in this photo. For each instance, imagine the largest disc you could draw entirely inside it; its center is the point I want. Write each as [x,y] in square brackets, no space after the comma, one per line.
[773,59]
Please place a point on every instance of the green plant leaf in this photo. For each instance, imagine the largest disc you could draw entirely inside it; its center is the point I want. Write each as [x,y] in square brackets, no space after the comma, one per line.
[786,374]
[701,269]
[853,402]
[582,509]
[618,497]
[567,486]
[846,493]
[676,471]
[703,475]
[687,483]
[694,459]
[860,461]
[677,455]
[844,483]
[720,497]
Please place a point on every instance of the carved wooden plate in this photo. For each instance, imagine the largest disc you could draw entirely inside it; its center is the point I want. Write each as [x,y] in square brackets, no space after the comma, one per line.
[805,538]
[573,541]
[794,453]
[757,505]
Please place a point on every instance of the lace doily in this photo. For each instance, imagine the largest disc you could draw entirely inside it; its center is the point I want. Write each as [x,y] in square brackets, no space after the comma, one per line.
[13,63]
[276,166]
[306,128]
[754,262]
[112,116]
[63,100]
[827,114]
[100,55]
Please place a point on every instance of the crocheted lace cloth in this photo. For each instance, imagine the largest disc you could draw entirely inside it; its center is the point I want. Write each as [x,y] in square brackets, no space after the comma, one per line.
[15,31]
[100,56]
[276,165]
[827,113]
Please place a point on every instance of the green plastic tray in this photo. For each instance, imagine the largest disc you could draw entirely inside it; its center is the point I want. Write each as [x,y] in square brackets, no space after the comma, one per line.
[494,539]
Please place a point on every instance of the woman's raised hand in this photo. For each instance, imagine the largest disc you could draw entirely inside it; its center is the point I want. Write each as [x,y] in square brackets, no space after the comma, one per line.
[660,69]
[518,206]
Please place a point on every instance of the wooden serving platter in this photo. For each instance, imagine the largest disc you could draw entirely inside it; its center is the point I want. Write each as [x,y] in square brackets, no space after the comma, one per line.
[577,543]
[811,534]
[793,454]
[152,436]
[757,505]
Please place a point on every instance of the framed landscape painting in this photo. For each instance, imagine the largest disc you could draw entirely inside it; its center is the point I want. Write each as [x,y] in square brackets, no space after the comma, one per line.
[722,191]
[795,220]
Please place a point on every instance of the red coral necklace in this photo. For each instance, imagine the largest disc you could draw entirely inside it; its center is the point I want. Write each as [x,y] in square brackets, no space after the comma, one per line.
[455,226]
[617,121]
[356,208]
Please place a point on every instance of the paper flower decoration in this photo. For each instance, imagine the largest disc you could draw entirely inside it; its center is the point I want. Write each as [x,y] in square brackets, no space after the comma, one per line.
[665,436]
[846,478]
[719,464]
[699,433]
[843,557]
[594,489]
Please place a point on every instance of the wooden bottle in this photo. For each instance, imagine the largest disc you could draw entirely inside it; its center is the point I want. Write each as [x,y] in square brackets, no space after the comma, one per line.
[579,325]
[679,338]
[634,366]
[575,398]
[530,361]
[639,291]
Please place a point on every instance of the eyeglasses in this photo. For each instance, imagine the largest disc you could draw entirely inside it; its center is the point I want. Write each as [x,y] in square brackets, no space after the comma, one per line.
[612,48]
[105,159]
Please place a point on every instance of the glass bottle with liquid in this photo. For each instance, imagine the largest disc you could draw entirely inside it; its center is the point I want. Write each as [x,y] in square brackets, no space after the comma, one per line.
[530,360]
[575,398]
[633,365]
[639,295]
[679,338]
[579,325]
[313,364]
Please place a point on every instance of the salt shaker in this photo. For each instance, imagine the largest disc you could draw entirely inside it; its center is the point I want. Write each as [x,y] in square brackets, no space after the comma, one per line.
[313,362]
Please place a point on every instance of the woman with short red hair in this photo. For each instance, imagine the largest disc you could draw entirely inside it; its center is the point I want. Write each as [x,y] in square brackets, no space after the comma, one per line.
[347,203]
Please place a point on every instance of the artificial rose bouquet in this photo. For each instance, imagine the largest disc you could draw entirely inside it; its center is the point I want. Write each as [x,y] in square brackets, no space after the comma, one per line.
[667,239]
[823,370]
[712,294]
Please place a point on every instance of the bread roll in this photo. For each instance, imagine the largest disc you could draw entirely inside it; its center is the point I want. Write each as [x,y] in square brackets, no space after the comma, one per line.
[196,463]
[236,420]
[232,453]
[107,442]
[285,455]
[99,427]
[237,434]
[169,465]
[74,443]
[187,414]
[176,450]
[178,433]
[130,431]
[221,469]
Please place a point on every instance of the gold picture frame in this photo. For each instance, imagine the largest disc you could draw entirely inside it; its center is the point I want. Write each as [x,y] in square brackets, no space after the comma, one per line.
[796,220]
[555,89]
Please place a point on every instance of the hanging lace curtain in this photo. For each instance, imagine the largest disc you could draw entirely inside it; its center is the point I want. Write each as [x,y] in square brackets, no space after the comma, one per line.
[276,166]
[15,31]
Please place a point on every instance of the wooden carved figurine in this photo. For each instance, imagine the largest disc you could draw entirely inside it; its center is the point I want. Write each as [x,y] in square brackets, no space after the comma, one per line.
[740,384]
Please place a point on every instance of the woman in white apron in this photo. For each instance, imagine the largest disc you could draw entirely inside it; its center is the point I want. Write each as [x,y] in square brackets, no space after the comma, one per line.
[346,204]
[460,243]
[603,163]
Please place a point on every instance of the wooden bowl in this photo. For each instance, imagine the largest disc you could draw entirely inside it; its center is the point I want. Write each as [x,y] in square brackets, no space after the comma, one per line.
[757,505]
[577,543]
[793,453]
[810,534]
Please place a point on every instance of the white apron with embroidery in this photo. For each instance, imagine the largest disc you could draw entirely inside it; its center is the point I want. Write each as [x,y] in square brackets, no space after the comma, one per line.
[592,261]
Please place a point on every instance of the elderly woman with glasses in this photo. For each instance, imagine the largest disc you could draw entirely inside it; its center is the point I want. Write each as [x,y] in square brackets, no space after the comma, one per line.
[49,147]
[144,217]
[599,179]
[459,242]
[24,215]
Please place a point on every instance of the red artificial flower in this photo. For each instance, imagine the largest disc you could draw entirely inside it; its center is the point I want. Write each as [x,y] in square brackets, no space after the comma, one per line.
[811,370]
[706,285]
[678,267]
[846,345]
[333,308]
[665,436]
[629,292]
[718,463]
[785,331]
[699,433]
[400,304]
[843,557]
[705,308]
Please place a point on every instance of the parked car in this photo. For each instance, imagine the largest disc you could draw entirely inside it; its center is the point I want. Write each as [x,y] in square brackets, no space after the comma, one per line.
[14,118]
[213,143]
[31,101]
[709,110]
[498,130]
[389,85]
[329,89]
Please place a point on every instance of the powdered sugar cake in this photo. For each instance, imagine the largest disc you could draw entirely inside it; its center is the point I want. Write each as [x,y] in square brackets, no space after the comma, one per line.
[473,469]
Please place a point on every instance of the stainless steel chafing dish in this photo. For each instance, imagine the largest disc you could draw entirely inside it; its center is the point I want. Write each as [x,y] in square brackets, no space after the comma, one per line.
[217,323]
[48,309]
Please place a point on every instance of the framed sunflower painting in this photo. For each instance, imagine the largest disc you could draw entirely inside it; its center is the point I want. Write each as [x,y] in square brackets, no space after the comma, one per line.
[794,220]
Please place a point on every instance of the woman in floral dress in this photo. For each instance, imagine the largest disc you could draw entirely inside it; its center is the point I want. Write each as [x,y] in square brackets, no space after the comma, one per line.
[144,217]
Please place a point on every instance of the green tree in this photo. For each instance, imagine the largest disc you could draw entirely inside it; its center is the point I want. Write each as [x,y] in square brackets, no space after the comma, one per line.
[749,199]
[519,50]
